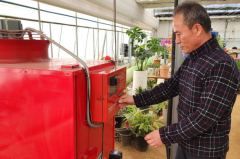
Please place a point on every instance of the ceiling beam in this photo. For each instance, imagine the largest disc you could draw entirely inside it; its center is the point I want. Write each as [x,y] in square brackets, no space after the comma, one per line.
[129,12]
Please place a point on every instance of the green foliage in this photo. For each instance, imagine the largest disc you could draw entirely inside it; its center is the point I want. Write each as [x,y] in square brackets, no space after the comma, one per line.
[156,65]
[139,90]
[163,105]
[141,54]
[142,57]
[141,123]
[136,34]
[162,54]
[150,83]
[154,45]
[238,64]
[121,112]
[158,108]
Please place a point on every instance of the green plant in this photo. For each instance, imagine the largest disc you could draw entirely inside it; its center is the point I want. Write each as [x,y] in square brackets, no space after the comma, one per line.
[238,64]
[164,104]
[158,108]
[150,83]
[139,90]
[142,124]
[162,54]
[165,51]
[141,54]
[120,112]
[155,65]
[154,45]
[136,34]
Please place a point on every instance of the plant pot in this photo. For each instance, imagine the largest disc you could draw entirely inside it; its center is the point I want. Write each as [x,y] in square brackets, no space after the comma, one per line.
[139,79]
[118,121]
[164,70]
[126,137]
[145,107]
[141,144]
[164,113]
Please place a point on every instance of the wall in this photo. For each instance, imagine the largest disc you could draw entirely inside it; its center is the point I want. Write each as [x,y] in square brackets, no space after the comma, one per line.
[164,29]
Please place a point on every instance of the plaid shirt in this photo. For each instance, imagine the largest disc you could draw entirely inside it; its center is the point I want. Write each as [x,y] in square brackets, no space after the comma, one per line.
[207,84]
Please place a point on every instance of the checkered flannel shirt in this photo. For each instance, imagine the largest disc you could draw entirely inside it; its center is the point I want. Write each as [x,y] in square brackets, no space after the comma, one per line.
[207,83]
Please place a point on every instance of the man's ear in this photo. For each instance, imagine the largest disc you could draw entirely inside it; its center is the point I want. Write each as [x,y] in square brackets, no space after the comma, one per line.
[197,29]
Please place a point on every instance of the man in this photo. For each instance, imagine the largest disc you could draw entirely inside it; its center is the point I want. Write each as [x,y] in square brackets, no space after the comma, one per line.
[206,83]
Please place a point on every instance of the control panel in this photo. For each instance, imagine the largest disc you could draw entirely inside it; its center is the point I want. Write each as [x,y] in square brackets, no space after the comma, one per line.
[107,86]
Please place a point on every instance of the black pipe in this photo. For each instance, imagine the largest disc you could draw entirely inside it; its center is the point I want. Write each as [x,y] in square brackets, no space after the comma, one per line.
[170,102]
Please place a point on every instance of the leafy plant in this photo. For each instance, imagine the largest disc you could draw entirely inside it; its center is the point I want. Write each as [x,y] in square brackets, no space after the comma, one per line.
[164,104]
[141,123]
[167,54]
[155,65]
[136,34]
[139,90]
[158,108]
[165,51]
[141,54]
[154,45]
[121,112]
[150,83]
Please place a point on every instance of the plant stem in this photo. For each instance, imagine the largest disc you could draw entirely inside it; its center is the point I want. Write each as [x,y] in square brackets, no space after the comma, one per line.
[165,55]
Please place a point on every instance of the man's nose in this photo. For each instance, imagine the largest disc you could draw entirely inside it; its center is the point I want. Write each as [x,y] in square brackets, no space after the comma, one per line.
[177,41]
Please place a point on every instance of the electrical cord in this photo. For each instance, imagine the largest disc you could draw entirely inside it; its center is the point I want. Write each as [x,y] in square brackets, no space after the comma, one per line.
[89,121]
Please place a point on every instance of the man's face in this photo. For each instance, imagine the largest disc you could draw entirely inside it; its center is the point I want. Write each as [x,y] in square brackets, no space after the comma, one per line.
[185,37]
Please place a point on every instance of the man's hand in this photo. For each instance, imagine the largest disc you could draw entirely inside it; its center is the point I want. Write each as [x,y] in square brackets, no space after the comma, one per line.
[125,100]
[153,139]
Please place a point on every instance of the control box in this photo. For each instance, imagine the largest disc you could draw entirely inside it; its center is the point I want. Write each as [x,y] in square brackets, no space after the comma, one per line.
[108,85]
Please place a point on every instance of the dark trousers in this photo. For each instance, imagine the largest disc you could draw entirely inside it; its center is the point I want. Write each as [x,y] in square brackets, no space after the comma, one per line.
[181,154]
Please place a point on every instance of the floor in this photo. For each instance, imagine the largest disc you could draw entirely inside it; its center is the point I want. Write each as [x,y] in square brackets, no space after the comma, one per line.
[130,152]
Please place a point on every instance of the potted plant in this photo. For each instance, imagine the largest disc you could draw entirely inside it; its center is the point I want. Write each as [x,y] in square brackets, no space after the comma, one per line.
[141,57]
[152,67]
[159,109]
[119,118]
[164,68]
[125,133]
[154,46]
[141,124]
[150,83]
[139,90]
[126,136]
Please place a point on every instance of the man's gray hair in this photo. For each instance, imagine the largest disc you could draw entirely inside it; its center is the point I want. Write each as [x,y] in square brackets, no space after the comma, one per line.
[193,13]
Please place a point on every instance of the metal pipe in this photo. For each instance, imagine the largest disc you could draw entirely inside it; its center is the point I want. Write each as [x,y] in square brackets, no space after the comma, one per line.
[76,35]
[50,28]
[87,75]
[86,45]
[6,16]
[93,45]
[39,18]
[98,37]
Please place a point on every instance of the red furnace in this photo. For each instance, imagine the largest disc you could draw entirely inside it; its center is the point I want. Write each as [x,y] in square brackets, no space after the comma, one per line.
[43,103]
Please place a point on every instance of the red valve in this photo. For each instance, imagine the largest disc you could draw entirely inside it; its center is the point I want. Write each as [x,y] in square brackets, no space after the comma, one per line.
[107,58]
